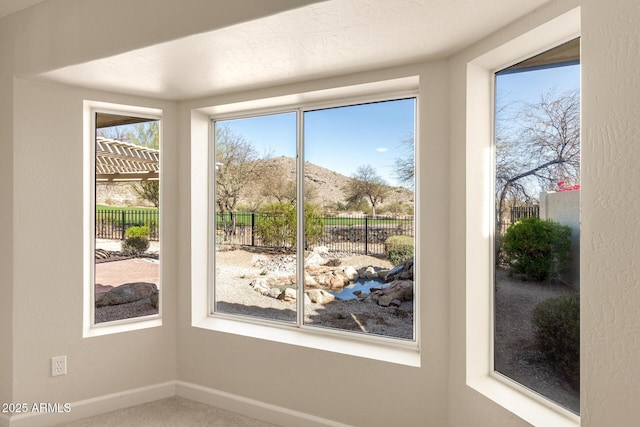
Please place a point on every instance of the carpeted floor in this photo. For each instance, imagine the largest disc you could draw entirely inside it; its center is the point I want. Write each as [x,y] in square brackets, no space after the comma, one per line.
[171,412]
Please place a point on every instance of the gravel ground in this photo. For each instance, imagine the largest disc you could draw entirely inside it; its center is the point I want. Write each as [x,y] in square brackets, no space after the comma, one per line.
[516,355]
[234,295]
[125,311]
[236,269]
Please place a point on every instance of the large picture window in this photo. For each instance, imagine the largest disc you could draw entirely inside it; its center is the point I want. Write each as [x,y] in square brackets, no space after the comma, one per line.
[126,213]
[537,224]
[324,198]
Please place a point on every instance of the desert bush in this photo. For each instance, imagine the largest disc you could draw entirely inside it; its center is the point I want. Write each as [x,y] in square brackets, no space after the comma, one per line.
[398,249]
[136,241]
[276,225]
[395,208]
[556,322]
[538,249]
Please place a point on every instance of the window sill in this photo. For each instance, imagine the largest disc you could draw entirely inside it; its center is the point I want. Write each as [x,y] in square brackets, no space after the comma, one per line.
[127,325]
[400,353]
[533,410]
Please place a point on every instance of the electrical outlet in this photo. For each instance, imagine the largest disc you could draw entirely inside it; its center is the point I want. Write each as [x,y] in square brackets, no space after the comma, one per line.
[58,366]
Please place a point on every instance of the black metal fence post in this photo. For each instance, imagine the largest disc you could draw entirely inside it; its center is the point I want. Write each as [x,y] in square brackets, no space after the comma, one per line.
[124,216]
[253,228]
[366,235]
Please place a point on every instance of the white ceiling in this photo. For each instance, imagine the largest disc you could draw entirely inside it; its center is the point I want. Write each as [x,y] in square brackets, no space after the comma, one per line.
[321,40]
[7,7]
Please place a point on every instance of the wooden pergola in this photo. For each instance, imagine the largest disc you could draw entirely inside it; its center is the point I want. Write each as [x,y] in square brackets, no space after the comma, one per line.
[123,161]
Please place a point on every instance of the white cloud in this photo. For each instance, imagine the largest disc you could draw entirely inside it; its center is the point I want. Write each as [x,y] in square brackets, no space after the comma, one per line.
[382,149]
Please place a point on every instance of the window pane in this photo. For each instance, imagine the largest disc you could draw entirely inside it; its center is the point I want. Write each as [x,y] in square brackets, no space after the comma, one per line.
[537,177]
[255,208]
[127,217]
[359,225]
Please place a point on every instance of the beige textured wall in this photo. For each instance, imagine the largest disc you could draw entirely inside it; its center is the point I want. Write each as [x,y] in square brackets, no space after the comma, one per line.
[610,281]
[6,213]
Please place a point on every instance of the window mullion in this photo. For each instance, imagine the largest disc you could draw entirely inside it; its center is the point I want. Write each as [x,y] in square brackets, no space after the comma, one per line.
[300,216]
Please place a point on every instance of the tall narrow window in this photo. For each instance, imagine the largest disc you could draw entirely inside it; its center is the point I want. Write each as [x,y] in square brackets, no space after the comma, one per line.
[127,217]
[537,217]
[322,197]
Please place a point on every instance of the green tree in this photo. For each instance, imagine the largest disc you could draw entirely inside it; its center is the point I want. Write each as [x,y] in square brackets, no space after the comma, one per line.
[276,225]
[367,184]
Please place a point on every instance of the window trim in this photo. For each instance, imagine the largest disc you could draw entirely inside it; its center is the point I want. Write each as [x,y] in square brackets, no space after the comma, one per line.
[480,106]
[89,327]
[388,349]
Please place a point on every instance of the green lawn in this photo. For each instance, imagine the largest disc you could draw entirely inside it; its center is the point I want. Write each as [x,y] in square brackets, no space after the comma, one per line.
[100,208]
[244,218]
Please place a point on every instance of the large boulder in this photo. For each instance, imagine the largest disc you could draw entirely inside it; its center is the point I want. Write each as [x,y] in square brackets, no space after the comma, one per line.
[129,292]
[400,289]
[403,271]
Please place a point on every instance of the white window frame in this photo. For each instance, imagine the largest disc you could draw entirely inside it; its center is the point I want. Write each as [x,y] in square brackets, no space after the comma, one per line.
[480,373]
[374,347]
[90,328]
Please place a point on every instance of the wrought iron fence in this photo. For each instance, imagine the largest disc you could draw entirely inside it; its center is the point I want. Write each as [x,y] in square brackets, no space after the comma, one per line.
[516,213]
[112,224]
[360,235]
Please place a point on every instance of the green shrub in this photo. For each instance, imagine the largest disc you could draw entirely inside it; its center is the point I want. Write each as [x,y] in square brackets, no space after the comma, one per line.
[538,249]
[142,231]
[398,249]
[136,241]
[556,322]
[276,225]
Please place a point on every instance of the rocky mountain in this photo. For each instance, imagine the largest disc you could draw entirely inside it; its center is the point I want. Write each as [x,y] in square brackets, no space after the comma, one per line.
[328,186]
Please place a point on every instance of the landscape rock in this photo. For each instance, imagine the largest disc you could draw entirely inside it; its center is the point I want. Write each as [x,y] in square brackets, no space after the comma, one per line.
[384,300]
[403,271]
[314,259]
[154,297]
[369,273]
[129,292]
[288,294]
[309,281]
[351,273]
[273,293]
[399,289]
[320,296]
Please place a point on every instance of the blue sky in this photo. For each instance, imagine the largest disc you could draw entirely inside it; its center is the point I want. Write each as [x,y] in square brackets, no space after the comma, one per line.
[527,86]
[340,139]
[344,138]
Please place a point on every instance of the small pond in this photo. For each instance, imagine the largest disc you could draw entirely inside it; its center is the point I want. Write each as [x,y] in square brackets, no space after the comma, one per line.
[363,286]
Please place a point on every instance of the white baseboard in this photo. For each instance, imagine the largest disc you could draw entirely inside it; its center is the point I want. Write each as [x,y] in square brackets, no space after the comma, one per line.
[95,406]
[250,407]
[209,396]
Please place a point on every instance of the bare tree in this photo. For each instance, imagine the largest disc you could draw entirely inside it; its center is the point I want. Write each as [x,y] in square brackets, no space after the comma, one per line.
[367,184]
[405,166]
[237,167]
[536,149]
